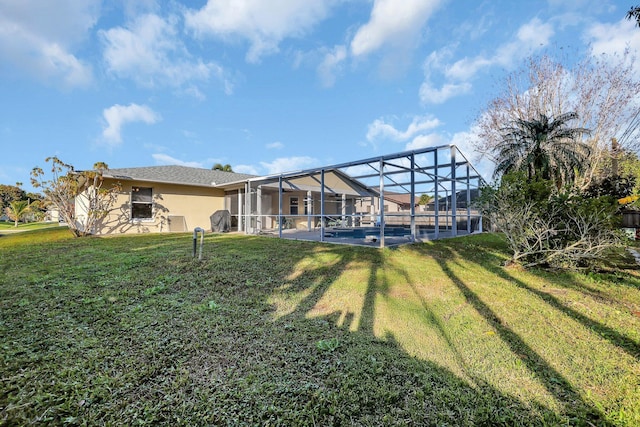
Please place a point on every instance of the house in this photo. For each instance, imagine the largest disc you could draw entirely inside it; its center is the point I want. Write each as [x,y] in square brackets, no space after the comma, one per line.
[163,198]
[180,198]
[367,194]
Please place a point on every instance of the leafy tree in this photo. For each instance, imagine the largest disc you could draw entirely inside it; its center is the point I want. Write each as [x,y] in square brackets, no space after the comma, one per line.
[634,14]
[17,210]
[67,188]
[221,167]
[425,199]
[9,193]
[617,176]
[616,186]
[601,90]
[543,147]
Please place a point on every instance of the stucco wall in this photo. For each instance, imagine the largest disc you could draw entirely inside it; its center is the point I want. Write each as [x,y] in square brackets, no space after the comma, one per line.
[195,204]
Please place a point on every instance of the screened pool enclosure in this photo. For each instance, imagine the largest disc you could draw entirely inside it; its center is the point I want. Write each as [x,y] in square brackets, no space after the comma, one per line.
[398,198]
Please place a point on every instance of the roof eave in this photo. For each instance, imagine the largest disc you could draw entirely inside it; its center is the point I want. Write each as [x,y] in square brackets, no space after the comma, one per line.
[160,181]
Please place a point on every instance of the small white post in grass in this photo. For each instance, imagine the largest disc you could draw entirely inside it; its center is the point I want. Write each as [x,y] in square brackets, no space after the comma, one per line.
[195,239]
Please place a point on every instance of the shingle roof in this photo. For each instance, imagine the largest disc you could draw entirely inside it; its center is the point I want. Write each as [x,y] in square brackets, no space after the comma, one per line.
[177,175]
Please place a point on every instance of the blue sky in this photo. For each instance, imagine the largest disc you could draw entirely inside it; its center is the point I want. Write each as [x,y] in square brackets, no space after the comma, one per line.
[267,86]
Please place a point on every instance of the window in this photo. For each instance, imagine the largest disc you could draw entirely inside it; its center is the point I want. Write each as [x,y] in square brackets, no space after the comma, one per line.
[293,206]
[308,206]
[141,203]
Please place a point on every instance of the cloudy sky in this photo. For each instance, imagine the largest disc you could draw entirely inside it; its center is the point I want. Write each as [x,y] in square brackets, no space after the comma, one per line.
[267,86]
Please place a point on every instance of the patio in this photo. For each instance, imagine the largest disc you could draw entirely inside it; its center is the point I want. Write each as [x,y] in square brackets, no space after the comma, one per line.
[399,198]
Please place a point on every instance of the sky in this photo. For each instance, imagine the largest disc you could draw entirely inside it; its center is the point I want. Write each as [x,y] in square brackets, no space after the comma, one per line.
[268,86]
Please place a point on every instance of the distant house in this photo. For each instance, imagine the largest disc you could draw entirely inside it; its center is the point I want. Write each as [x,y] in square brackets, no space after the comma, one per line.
[52,215]
[403,202]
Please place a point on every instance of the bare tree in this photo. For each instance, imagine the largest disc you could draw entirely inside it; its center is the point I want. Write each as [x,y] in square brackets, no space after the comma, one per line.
[601,90]
[68,188]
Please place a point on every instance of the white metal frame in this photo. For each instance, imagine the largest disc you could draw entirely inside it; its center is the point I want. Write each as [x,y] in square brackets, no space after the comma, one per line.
[441,172]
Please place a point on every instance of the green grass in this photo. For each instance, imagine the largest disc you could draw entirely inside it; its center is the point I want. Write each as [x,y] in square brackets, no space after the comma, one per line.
[132,330]
[10,226]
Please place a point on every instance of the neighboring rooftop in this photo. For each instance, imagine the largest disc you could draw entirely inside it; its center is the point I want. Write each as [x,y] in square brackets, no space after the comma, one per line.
[177,175]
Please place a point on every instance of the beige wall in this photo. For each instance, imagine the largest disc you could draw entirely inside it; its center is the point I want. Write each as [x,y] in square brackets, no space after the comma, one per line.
[195,204]
[332,182]
[332,209]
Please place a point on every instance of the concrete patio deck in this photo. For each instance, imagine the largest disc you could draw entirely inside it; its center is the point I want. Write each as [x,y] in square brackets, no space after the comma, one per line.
[371,240]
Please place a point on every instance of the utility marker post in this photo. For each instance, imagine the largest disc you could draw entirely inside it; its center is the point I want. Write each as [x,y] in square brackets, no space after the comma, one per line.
[195,240]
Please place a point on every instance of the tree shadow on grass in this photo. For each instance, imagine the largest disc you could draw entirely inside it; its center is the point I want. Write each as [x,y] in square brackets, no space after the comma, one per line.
[486,397]
[376,379]
[204,348]
[551,379]
[627,344]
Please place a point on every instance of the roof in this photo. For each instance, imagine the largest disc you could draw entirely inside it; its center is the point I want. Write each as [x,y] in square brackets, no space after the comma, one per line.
[400,198]
[290,182]
[172,174]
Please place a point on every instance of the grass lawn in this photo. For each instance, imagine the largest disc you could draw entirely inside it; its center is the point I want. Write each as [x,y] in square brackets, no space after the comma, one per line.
[132,330]
[10,226]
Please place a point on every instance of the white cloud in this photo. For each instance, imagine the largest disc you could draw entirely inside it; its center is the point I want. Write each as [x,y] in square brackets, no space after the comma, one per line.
[39,38]
[466,143]
[251,170]
[189,134]
[431,95]
[275,145]
[381,129]
[155,147]
[466,68]
[288,164]
[530,37]
[263,23]
[392,22]
[118,115]
[613,39]
[163,159]
[394,27]
[150,52]
[424,141]
[331,64]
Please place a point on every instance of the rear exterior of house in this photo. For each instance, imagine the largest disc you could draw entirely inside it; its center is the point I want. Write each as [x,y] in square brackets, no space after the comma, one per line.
[162,199]
[376,196]
[297,201]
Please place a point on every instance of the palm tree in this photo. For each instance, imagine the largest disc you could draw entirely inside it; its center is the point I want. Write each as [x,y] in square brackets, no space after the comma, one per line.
[545,148]
[221,167]
[17,210]
[634,13]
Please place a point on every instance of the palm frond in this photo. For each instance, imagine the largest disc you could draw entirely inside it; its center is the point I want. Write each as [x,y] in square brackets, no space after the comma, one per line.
[545,146]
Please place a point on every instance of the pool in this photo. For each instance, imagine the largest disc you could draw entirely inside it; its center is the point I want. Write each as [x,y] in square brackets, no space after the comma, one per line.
[362,232]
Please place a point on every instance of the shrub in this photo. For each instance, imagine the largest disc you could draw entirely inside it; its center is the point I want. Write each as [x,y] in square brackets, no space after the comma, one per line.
[550,227]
